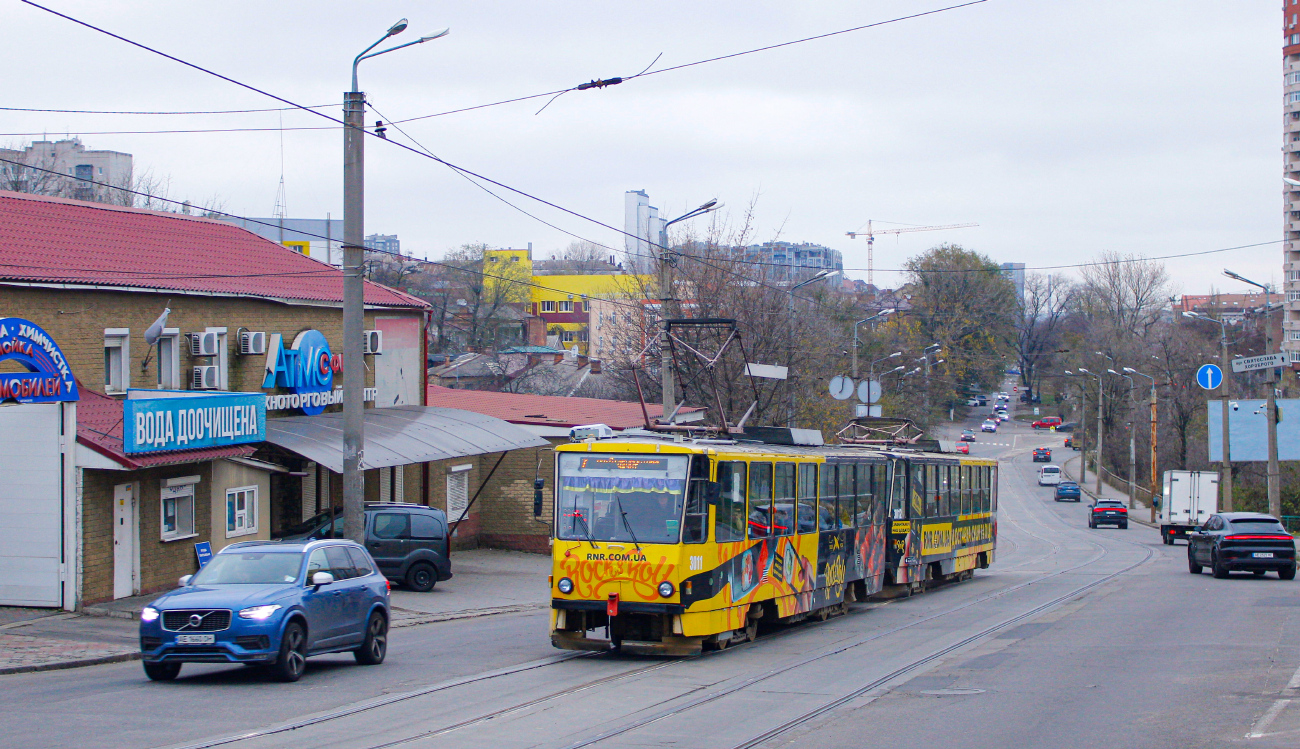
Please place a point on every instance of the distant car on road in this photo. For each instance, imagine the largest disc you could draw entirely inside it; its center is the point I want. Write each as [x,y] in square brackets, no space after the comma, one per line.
[1049,475]
[1003,397]
[1230,541]
[963,448]
[1042,455]
[270,603]
[967,435]
[1108,512]
[1068,490]
[1047,422]
[989,425]
[1068,426]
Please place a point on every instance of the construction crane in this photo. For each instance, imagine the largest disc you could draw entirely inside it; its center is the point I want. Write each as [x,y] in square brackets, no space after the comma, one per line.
[871,235]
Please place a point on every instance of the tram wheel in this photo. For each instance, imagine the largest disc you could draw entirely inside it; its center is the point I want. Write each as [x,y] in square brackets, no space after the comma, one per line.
[751,630]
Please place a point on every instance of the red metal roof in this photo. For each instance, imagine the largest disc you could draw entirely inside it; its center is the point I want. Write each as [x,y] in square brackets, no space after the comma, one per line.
[99,427]
[546,410]
[54,240]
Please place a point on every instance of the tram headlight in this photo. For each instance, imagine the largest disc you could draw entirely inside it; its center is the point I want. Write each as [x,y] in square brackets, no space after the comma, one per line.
[565,585]
[665,589]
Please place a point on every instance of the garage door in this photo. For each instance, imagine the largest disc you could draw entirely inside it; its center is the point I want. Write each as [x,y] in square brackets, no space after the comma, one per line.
[31,507]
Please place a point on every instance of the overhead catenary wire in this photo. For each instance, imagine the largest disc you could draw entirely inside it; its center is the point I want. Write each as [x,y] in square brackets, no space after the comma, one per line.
[164,113]
[522,193]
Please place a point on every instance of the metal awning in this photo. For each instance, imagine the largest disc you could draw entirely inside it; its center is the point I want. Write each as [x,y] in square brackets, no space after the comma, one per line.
[400,436]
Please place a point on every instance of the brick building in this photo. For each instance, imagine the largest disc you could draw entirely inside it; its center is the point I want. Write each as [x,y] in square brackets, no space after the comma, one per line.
[195,436]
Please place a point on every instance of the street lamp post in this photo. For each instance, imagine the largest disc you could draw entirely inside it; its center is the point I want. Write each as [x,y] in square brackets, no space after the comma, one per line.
[879,314]
[872,369]
[354,371]
[1083,412]
[1274,471]
[925,360]
[1226,482]
[1132,442]
[1155,475]
[665,296]
[789,381]
[1101,398]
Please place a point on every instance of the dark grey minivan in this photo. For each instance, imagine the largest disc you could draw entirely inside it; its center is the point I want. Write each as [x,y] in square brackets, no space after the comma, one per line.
[409,542]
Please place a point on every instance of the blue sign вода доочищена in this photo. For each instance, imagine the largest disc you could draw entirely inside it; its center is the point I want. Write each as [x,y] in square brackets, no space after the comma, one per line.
[155,421]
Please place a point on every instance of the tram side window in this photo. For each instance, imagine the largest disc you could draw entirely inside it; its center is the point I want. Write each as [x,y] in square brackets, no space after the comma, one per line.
[931,491]
[866,497]
[993,489]
[783,504]
[695,528]
[880,488]
[826,518]
[760,500]
[963,473]
[806,518]
[916,490]
[729,519]
[844,515]
[977,475]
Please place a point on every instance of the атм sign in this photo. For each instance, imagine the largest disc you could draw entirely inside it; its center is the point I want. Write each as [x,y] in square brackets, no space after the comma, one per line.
[307,370]
[155,421]
[48,378]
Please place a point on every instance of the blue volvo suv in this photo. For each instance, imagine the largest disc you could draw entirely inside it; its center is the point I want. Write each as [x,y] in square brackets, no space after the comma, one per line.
[273,604]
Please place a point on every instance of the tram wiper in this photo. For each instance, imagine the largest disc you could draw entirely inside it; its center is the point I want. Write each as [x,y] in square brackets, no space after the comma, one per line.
[586,529]
[627,524]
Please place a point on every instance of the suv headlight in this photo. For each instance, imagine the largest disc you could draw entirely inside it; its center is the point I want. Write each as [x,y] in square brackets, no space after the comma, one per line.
[565,585]
[148,614]
[665,589]
[259,612]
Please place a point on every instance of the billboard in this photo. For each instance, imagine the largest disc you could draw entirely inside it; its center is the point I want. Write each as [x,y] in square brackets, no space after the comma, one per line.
[1248,430]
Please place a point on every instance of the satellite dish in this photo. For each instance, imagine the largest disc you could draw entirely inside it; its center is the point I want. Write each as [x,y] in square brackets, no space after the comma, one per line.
[841,387]
[869,391]
[154,332]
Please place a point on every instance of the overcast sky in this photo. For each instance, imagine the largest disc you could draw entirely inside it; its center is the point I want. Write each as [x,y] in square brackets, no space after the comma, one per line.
[1062,128]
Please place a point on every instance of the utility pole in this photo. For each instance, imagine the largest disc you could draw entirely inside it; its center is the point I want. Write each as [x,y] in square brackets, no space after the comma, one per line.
[1100,400]
[1274,471]
[354,366]
[1132,442]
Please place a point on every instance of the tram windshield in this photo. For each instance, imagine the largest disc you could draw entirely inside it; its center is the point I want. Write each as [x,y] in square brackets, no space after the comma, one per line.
[621,497]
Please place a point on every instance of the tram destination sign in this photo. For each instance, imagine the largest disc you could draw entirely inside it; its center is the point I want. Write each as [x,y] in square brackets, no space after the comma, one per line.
[1251,363]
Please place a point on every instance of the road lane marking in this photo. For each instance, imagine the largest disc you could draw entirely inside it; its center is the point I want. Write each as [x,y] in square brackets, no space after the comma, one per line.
[1295,680]
[1267,719]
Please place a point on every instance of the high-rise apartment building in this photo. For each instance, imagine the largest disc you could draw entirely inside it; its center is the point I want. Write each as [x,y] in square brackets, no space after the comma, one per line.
[1291,170]
[384,243]
[642,225]
[65,169]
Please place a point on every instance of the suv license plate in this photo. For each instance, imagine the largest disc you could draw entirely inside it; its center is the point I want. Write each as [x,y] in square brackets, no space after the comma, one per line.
[1263,555]
[206,639]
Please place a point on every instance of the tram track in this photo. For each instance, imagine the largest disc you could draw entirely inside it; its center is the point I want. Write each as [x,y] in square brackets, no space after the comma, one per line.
[710,696]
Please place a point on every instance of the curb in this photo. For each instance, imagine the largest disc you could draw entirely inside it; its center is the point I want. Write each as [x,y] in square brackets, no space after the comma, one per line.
[427,618]
[61,665]
[111,613]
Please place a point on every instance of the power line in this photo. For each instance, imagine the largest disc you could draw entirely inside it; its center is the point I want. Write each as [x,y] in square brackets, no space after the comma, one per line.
[208,111]
[172,132]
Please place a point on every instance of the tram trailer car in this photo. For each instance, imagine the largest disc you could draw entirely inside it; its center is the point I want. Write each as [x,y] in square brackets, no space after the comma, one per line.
[663,546]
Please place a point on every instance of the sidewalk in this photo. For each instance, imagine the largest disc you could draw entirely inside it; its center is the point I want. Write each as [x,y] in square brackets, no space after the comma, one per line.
[485,582]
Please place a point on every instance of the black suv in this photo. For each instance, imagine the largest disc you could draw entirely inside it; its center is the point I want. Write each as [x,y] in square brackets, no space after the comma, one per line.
[1232,541]
[409,542]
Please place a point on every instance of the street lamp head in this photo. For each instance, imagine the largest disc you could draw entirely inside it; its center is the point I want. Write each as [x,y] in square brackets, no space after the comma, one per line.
[1232,275]
[1130,370]
[889,311]
[896,369]
[1292,182]
[435,35]
[932,347]
[397,28]
[1081,369]
[896,353]
[1069,373]
[709,205]
[1114,372]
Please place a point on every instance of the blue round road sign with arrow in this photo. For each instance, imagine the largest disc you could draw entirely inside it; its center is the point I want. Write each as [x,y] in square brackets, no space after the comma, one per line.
[1209,376]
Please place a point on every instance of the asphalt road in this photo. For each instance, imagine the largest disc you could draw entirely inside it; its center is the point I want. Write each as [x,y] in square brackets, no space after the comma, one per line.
[1074,638]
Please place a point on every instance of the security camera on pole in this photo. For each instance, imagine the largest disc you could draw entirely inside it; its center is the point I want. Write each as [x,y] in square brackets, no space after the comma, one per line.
[354,190]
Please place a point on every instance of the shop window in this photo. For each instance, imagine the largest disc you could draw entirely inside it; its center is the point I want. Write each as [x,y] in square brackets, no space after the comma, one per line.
[548,306]
[177,507]
[457,492]
[117,360]
[729,520]
[169,359]
[241,511]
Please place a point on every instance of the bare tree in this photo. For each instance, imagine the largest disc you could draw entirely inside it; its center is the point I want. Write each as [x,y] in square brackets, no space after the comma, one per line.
[1046,302]
[1123,294]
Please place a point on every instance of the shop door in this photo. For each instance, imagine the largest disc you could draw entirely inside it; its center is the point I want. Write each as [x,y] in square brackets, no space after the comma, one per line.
[126,557]
[31,505]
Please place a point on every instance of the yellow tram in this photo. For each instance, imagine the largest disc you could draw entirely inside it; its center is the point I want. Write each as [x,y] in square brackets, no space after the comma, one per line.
[663,545]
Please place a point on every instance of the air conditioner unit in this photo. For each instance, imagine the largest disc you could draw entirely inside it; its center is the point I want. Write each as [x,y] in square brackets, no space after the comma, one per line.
[203,344]
[252,343]
[374,342]
[206,378]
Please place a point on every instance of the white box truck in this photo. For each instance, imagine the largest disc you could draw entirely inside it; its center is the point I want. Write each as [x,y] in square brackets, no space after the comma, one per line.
[1190,498]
